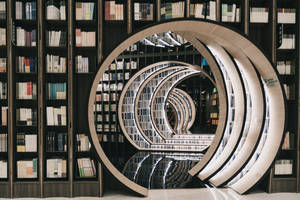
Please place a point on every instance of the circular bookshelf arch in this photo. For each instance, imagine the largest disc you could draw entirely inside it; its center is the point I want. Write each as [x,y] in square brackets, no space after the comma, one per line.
[214,41]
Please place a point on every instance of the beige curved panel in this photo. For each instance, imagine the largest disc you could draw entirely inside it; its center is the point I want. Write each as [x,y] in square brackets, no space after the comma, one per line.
[244,151]
[184,108]
[190,104]
[178,108]
[235,44]
[235,123]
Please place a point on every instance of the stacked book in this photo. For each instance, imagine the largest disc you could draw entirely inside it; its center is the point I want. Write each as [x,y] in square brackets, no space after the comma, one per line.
[113,11]
[26,142]
[2,36]
[285,67]
[143,11]
[286,15]
[57,142]
[57,90]
[26,117]
[2,65]
[3,90]
[56,168]
[230,13]
[86,167]
[56,64]
[56,116]
[259,15]
[283,167]
[26,38]
[2,10]
[204,10]
[82,64]
[3,169]
[288,41]
[82,142]
[27,168]
[29,8]
[56,38]
[26,90]
[85,39]
[172,10]
[56,10]
[3,142]
[3,115]
[84,11]
[26,64]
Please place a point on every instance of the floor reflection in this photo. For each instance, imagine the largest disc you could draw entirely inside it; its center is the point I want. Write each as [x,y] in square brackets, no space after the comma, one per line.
[161,170]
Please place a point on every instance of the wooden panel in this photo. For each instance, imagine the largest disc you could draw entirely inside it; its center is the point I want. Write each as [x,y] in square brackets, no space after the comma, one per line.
[56,189]
[26,189]
[284,185]
[4,188]
[86,188]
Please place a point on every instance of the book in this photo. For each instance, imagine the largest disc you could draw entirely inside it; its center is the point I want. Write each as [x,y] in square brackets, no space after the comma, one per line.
[56,142]
[25,38]
[26,90]
[113,11]
[283,167]
[27,168]
[259,15]
[3,169]
[86,167]
[26,117]
[85,11]
[85,39]
[286,15]
[55,10]
[2,36]
[3,63]
[55,64]
[4,113]
[143,11]
[56,38]
[3,142]
[56,168]
[56,116]
[57,91]
[26,142]
[2,10]
[82,142]
[82,64]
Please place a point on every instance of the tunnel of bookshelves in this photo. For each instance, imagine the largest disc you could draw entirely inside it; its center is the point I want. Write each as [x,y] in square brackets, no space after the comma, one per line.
[263,84]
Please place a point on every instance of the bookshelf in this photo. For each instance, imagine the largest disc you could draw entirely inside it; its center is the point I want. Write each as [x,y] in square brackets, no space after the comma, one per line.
[35,43]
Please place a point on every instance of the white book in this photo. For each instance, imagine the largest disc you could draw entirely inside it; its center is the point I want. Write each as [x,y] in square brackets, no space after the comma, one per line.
[50,117]
[3,169]
[31,143]
[63,115]
[63,12]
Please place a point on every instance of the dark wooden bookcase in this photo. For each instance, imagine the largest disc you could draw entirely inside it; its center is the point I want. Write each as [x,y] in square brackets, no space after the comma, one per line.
[108,34]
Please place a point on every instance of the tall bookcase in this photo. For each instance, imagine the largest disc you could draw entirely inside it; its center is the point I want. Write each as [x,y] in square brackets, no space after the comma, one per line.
[58,76]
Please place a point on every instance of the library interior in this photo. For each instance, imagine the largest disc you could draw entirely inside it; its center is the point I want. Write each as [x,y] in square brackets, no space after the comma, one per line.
[135,96]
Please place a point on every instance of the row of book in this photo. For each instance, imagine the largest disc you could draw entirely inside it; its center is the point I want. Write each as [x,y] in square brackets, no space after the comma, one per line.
[206,10]
[286,15]
[107,128]
[3,169]
[285,67]
[106,107]
[86,167]
[56,116]
[25,11]
[85,11]
[56,142]
[82,142]
[56,38]
[26,142]
[143,11]
[171,10]
[26,117]
[283,167]
[111,138]
[106,117]
[57,91]
[288,41]
[113,11]
[3,62]
[230,13]
[110,87]
[106,97]
[26,90]
[56,64]
[85,39]
[2,10]
[56,10]
[116,76]
[27,168]
[3,90]
[121,64]
[259,15]
[82,64]
[4,112]
[3,142]
[56,168]
[26,64]
[26,38]
[2,36]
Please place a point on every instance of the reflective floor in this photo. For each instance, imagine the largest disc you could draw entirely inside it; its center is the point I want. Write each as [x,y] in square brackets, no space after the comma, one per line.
[191,194]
